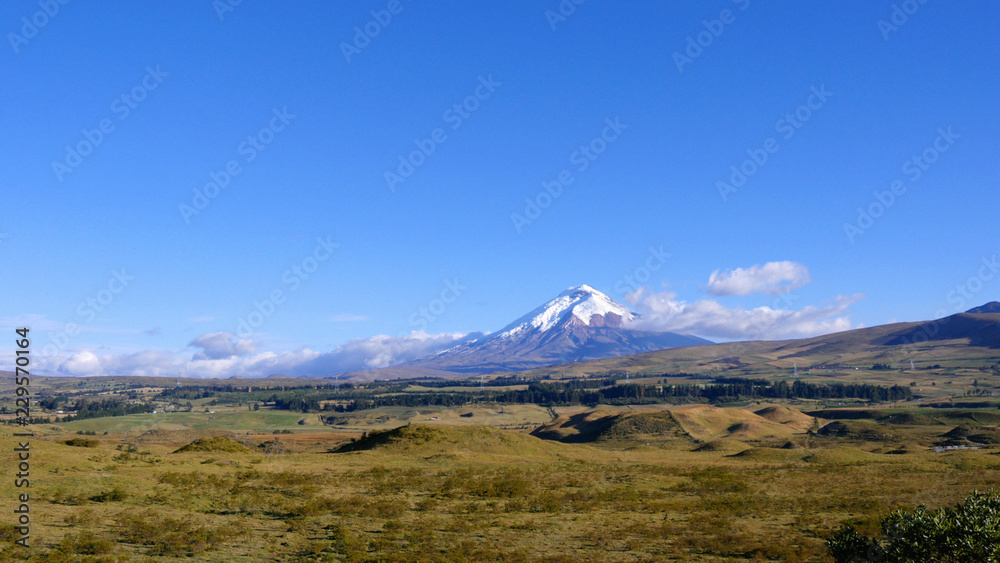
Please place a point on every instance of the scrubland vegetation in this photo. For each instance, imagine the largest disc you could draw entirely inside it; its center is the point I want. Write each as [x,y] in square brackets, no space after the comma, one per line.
[650,466]
[620,484]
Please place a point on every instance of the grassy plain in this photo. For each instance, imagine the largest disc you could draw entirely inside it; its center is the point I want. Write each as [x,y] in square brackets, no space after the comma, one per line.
[515,482]
[693,483]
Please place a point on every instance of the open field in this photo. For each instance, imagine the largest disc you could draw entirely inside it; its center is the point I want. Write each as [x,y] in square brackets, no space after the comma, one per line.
[727,459]
[638,483]
[241,419]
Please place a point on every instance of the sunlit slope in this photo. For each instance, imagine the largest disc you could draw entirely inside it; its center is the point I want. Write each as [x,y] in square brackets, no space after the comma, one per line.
[688,424]
[963,338]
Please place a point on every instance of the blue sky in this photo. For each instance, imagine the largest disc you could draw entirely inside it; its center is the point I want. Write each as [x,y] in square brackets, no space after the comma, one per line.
[502,98]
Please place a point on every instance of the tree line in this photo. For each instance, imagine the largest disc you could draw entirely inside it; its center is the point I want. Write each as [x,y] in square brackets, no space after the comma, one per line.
[97,408]
[572,393]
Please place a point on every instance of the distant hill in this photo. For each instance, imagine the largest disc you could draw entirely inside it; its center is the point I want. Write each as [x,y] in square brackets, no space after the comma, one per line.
[993,307]
[962,337]
[603,425]
[981,330]
[453,442]
[692,423]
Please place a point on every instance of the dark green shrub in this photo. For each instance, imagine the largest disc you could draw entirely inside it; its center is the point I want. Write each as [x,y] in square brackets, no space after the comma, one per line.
[86,545]
[82,443]
[968,532]
[114,495]
[172,537]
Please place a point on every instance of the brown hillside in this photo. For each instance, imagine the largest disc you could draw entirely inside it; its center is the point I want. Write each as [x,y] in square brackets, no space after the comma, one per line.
[603,425]
[787,416]
[704,422]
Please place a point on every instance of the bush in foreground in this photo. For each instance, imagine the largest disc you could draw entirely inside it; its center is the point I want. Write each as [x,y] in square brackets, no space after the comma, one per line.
[968,532]
[82,443]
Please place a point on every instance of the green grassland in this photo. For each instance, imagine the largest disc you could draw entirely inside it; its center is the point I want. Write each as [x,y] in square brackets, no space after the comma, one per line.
[649,483]
[222,419]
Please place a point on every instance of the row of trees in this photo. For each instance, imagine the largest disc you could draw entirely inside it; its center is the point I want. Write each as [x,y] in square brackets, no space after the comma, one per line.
[571,393]
[97,408]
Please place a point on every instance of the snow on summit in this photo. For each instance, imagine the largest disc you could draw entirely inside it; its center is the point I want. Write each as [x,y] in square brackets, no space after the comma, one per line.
[579,324]
[583,303]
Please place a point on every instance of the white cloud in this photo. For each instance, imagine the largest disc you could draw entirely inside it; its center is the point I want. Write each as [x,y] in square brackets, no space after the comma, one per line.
[384,351]
[221,355]
[221,345]
[81,363]
[708,318]
[772,278]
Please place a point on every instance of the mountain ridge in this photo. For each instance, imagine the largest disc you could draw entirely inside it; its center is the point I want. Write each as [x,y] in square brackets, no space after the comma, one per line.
[970,335]
[990,308]
[579,324]
[962,337]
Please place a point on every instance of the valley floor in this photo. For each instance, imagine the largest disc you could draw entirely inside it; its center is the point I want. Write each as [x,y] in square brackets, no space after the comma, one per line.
[465,492]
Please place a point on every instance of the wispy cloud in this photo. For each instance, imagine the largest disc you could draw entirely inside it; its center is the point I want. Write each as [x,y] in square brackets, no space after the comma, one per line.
[710,319]
[32,321]
[221,346]
[221,355]
[772,278]
[383,351]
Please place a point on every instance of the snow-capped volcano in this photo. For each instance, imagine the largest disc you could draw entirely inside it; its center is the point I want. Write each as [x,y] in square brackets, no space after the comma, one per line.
[579,324]
[579,305]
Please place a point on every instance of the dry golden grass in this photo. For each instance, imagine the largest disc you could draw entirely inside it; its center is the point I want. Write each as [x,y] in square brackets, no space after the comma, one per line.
[472,493]
[706,422]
